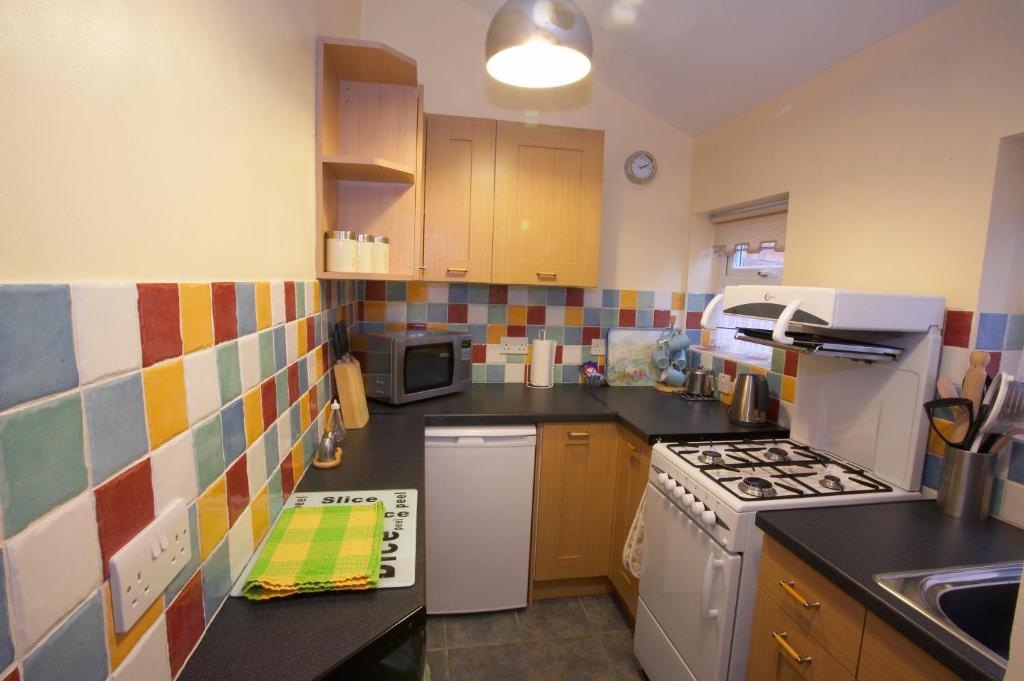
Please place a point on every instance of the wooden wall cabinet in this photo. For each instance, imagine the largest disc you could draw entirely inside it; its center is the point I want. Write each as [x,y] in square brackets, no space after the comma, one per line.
[632,463]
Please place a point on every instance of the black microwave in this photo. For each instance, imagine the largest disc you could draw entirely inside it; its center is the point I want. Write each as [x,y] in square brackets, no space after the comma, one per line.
[405,366]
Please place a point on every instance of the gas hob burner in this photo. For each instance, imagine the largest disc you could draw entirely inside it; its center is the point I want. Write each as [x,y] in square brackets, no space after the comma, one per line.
[776,454]
[710,456]
[756,487]
[832,482]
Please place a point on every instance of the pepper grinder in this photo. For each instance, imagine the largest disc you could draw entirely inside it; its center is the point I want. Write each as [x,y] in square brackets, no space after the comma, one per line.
[329,452]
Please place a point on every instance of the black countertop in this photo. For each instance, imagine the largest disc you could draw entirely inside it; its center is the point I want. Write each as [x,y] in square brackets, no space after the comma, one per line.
[851,544]
[305,637]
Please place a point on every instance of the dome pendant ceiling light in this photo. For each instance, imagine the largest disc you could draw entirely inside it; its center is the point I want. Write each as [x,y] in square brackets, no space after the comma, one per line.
[539,43]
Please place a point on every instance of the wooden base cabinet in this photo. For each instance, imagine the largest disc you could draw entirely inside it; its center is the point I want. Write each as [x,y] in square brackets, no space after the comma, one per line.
[632,462]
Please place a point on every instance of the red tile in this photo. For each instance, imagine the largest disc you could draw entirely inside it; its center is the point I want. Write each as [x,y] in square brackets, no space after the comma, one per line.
[13,676]
[225,315]
[536,314]
[314,403]
[773,409]
[574,297]
[237,479]
[458,313]
[416,326]
[958,328]
[311,333]
[497,294]
[591,333]
[324,354]
[376,290]
[479,354]
[268,397]
[791,364]
[662,318]
[360,312]
[159,322]
[627,317]
[289,300]
[693,319]
[558,353]
[515,331]
[124,505]
[993,366]
[287,477]
[185,622]
[293,383]
[730,368]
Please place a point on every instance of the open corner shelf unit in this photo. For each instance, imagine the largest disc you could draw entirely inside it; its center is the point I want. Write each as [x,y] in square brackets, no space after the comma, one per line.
[369,146]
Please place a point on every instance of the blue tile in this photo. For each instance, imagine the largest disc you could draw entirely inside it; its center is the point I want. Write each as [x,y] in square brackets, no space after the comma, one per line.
[6,644]
[373,327]
[1016,470]
[233,427]
[591,316]
[479,333]
[932,471]
[644,319]
[609,316]
[437,312]
[497,314]
[533,331]
[295,420]
[116,419]
[495,373]
[458,293]
[417,312]
[76,650]
[774,383]
[38,356]
[1014,333]
[216,580]
[274,496]
[570,373]
[270,449]
[556,333]
[645,300]
[478,293]
[694,302]
[396,291]
[458,328]
[574,335]
[991,331]
[694,336]
[536,295]
[303,377]
[610,297]
[556,295]
[245,307]
[280,348]
[309,445]
[318,328]
[181,579]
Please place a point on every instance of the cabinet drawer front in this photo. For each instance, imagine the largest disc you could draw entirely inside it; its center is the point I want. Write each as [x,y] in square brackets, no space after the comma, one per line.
[830,616]
[781,649]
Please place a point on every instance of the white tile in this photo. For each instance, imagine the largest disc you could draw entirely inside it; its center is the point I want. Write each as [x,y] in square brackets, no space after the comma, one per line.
[291,341]
[572,354]
[515,373]
[493,355]
[1012,507]
[106,329]
[1010,362]
[437,293]
[477,313]
[43,588]
[174,472]
[201,384]
[312,370]
[309,296]
[249,361]
[662,300]
[395,312]
[256,466]
[593,297]
[517,295]
[953,363]
[149,659]
[284,436]
[240,543]
[555,316]
[277,302]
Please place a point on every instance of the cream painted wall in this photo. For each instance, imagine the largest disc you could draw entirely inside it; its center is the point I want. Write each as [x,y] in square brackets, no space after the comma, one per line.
[889,157]
[1002,277]
[159,140]
[643,241]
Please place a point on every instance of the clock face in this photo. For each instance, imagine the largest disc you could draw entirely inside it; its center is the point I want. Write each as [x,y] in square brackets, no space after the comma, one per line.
[641,167]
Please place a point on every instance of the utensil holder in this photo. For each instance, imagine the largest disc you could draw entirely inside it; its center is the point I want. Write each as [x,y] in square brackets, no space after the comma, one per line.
[965,488]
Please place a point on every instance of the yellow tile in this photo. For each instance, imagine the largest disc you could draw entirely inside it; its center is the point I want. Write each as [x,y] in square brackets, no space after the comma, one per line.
[935,443]
[260,515]
[395,326]
[627,299]
[297,464]
[119,645]
[164,389]
[758,370]
[263,317]
[316,295]
[677,301]
[437,326]
[705,337]
[196,316]
[304,411]
[494,333]
[788,388]
[374,310]
[252,407]
[300,333]
[416,292]
[574,316]
[213,517]
[516,314]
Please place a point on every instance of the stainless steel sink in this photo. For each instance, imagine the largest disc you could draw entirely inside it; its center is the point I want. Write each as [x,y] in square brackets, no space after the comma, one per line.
[974,603]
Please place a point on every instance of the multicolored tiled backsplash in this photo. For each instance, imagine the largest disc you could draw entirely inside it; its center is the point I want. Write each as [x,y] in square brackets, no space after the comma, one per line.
[117,399]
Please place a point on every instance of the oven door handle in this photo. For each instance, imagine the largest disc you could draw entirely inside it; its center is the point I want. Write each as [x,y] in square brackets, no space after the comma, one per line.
[710,566]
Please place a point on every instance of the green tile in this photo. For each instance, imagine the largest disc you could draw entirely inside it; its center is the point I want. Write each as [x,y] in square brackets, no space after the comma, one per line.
[267,361]
[281,387]
[417,312]
[396,291]
[209,451]
[300,299]
[497,314]
[778,360]
[645,300]
[42,459]
[229,376]
[479,373]
[515,359]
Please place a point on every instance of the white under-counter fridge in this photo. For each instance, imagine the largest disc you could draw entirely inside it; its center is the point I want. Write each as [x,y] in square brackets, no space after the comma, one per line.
[479,506]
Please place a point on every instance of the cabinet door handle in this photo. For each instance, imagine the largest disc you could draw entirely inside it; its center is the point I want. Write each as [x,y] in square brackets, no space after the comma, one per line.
[780,638]
[578,434]
[458,270]
[795,595]
[632,446]
[547,275]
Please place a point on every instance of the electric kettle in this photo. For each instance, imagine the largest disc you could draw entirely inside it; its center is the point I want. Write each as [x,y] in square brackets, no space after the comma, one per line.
[749,405]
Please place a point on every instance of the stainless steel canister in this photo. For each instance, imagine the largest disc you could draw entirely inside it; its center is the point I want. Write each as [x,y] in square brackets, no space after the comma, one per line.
[965,488]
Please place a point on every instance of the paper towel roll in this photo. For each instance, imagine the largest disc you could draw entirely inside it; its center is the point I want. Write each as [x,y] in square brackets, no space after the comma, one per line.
[542,363]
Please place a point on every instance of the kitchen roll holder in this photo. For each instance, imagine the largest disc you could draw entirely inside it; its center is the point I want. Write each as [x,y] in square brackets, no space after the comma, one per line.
[542,362]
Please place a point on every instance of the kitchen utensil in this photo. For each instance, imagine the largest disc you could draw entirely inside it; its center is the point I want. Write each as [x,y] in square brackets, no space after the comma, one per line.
[935,409]
[339,339]
[1005,438]
[965,488]
[749,405]
[961,417]
[1005,401]
[974,378]
[695,381]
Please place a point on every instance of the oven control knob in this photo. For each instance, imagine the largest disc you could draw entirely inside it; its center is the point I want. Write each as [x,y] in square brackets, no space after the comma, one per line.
[689,498]
[662,478]
[708,517]
[697,506]
[669,485]
[678,492]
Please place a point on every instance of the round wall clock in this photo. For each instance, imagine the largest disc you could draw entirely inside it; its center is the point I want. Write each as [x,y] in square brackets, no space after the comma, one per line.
[641,167]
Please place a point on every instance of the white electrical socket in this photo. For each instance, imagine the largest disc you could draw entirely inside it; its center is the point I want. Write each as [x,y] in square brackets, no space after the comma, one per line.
[597,347]
[514,346]
[724,383]
[145,566]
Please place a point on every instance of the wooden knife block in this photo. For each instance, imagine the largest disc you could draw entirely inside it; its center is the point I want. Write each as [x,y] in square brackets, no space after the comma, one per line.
[349,379]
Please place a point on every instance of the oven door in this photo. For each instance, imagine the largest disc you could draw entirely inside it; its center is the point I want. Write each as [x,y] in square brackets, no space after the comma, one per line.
[690,585]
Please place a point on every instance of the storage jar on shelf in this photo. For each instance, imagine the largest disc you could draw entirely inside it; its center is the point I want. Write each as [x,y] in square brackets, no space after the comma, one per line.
[381,255]
[364,252]
[341,251]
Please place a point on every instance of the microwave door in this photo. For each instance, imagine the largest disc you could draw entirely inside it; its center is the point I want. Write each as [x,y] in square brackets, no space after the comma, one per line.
[426,369]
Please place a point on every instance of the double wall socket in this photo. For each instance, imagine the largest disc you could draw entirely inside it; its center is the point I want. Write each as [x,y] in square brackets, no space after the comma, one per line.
[145,566]
[514,346]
